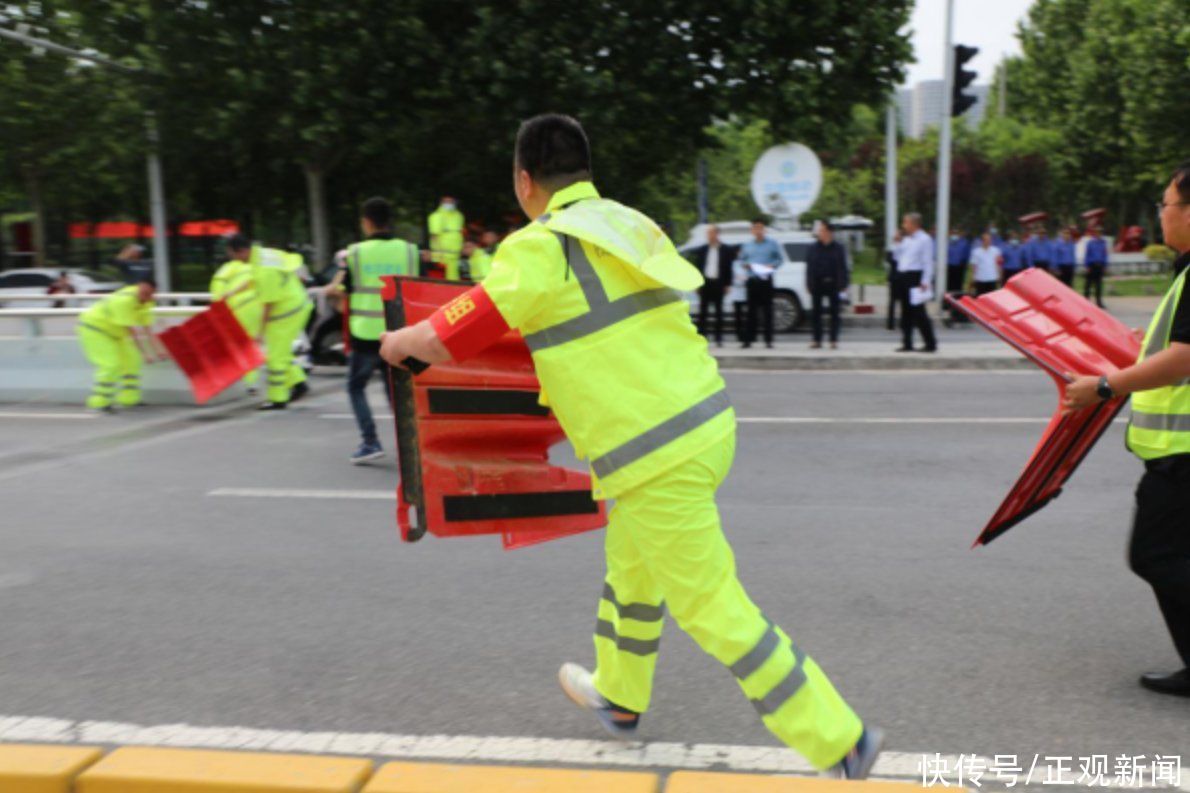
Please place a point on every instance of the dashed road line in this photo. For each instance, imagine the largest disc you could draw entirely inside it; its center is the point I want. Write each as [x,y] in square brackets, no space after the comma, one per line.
[281,492]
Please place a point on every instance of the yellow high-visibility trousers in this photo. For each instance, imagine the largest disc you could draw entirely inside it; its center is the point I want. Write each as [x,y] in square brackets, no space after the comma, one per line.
[117,363]
[248,311]
[666,551]
[280,332]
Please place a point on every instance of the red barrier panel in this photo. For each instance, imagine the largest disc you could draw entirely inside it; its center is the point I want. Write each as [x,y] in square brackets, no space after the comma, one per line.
[474,441]
[1061,332]
[212,349]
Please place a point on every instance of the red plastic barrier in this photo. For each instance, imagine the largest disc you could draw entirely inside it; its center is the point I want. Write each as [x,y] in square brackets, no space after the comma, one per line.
[474,442]
[1061,332]
[212,349]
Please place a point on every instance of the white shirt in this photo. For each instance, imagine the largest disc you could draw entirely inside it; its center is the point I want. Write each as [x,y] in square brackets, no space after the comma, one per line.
[986,261]
[917,255]
[712,269]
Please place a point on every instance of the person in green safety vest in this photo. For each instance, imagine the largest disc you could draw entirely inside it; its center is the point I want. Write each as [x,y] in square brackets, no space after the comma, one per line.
[446,237]
[230,277]
[364,265]
[595,289]
[1159,434]
[479,257]
[285,308]
[106,332]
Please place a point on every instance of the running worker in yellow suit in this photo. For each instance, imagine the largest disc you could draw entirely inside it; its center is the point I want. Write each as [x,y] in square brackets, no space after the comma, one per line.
[231,276]
[595,289]
[105,331]
[285,308]
[446,236]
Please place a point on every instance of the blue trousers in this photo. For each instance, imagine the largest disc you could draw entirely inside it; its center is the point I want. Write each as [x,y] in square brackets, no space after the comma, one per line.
[364,360]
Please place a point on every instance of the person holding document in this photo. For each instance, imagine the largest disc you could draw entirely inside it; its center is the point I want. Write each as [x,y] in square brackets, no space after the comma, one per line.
[761,257]
[915,274]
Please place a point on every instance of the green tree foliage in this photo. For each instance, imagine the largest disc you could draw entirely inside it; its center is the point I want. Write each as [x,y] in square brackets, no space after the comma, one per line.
[284,114]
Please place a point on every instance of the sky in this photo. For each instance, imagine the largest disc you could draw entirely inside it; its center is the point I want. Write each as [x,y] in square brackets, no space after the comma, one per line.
[987,24]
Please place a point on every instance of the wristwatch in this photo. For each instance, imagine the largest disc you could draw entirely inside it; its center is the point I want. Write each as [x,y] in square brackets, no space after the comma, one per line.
[1104,389]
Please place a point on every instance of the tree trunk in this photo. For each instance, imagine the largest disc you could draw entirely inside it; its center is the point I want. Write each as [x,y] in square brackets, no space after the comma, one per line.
[36,201]
[319,228]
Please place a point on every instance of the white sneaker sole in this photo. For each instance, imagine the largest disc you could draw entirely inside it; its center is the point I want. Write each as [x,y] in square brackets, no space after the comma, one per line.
[369,458]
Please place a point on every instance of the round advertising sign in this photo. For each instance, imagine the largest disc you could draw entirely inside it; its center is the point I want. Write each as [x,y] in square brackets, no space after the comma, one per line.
[786,180]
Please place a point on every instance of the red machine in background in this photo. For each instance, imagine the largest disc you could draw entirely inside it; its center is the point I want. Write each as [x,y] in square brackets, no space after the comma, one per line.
[474,440]
[1061,332]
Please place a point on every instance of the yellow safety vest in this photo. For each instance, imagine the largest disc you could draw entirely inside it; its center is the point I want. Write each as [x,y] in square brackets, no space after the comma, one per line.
[480,263]
[593,287]
[1160,424]
[117,312]
[245,305]
[277,283]
[368,262]
[446,239]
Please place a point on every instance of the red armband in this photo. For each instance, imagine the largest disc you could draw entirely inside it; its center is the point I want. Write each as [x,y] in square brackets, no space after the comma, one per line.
[468,324]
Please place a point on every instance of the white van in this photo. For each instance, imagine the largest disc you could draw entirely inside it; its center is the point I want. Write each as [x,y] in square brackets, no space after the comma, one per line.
[791,298]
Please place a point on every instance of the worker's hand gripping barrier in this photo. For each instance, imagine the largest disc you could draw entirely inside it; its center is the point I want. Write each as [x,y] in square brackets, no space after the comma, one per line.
[474,441]
[1062,332]
[212,349]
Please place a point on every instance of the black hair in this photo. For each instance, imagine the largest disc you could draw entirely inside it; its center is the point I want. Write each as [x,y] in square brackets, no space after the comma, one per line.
[379,211]
[761,219]
[237,241]
[1181,180]
[554,150]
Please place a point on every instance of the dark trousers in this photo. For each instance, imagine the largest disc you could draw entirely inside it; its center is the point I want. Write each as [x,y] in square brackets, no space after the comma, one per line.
[983,287]
[739,313]
[1094,281]
[830,297]
[956,279]
[710,295]
[1006,275]
[364,360]
[914,316]
[1066,274]
[1160,547]
[760,300]
[891,318]
[1042,266]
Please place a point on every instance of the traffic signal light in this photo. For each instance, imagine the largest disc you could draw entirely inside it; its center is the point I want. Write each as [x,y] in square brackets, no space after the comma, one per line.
[960,103]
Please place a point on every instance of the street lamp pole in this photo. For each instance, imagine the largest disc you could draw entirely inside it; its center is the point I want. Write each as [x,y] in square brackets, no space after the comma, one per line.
[942,229]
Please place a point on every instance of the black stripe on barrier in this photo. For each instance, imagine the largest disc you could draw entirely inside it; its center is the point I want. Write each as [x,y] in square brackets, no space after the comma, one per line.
[468,401]
[507,506]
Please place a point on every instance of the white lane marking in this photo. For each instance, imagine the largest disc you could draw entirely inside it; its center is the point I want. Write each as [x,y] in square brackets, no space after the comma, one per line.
[69,416]
[279,492]
[771,759]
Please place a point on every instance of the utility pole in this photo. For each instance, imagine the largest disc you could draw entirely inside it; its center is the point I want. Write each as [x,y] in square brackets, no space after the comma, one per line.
[701,179]
[942,228]
[890,174]
[153,162]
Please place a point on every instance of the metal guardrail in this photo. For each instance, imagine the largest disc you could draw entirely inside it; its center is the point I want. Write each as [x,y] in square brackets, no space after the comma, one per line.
[32,317]
[168,297]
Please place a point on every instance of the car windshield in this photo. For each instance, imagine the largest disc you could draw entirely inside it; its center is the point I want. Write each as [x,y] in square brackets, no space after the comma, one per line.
[796,251]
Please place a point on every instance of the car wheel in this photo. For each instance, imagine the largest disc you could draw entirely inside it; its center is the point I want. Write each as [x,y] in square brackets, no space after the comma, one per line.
[787,311]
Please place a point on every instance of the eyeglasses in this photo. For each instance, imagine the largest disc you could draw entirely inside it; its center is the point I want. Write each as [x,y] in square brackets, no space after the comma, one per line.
[1161,205]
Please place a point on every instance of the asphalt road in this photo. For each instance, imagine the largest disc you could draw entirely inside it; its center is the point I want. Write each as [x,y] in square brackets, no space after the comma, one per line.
[128,592]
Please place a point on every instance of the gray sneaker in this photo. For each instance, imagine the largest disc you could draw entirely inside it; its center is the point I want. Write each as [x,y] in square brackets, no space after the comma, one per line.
[618,722]
[858,762]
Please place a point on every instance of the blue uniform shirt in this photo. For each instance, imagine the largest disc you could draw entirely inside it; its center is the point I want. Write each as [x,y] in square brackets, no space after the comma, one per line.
[958,252]
[1096,251]
[1063,251]
[1013,255]
[1038,251]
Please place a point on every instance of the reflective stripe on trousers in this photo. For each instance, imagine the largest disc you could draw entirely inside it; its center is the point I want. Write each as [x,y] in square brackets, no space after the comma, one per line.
[664,544]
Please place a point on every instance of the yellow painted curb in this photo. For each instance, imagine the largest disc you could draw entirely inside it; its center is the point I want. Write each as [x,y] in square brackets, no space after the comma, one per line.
[145,770]
[439,778]
[29,768]
[709,782]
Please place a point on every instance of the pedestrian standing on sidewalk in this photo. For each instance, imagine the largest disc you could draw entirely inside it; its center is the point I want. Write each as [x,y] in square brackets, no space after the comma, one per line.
[1159,434]
[915,276]
[1063,252]
[826,276]
[986,261]
[1096,263]
[891,257]
[1013,257]
[762,257]
[714,260]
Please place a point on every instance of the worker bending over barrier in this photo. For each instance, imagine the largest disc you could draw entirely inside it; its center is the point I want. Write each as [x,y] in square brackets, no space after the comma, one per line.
[235,276]
[106,332]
